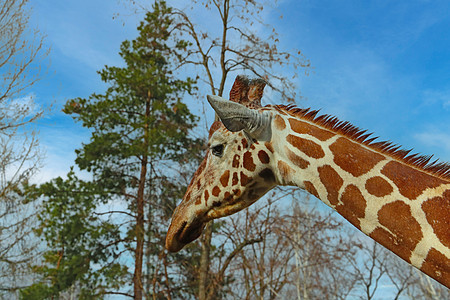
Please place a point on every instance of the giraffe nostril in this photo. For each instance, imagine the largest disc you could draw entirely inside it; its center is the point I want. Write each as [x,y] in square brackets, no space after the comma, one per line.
[184,230]
[188,233]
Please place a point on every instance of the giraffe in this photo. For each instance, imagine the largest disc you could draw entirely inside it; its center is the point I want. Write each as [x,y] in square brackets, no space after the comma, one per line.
[402,201]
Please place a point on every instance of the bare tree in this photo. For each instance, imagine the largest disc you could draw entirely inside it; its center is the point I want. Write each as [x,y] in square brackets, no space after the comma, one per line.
[236,46]
[425,287]
[261,269]
[402,276]
[370,267]
[300,253]
[409,282]
[320,247]
[220,50]
[22,53]
[378,271]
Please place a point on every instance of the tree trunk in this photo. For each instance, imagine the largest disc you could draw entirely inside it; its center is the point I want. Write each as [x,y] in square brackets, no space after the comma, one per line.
[223,67]
[139,252]
[205,260]
[150,278]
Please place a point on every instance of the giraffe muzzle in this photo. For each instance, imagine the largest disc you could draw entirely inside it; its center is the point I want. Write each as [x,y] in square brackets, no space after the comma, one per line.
[178,237]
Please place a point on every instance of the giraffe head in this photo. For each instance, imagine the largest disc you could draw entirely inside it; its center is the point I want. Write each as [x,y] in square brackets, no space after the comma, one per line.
[235,172]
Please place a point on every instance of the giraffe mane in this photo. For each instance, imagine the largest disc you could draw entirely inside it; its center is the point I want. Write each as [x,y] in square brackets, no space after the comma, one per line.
[345,128]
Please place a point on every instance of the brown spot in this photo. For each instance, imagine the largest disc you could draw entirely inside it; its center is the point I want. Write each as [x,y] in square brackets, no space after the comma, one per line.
[244,179]
[244,143]
[237,192]
[308,147]
[235,163]
[252,147]
[227,197]
[406,232]
[279,123]
[235,179]
[332,182]
[198,184]
[297,160]
[285,170]
[216,191]
[267,175]
[269,146]
[263,157]
[410,182]
[305,128]
[248,161]
[437,265]
[187,196]
[310,188]
[198,200]
[437,211]
[239,148]
[353,205]
[224,178]
[206,196]
[378,187]
[354,158]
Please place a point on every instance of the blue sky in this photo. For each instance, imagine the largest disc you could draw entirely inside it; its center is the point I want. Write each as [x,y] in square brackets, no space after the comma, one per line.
[382,65]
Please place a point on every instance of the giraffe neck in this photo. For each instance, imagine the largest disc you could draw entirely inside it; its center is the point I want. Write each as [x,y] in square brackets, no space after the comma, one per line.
[401,206]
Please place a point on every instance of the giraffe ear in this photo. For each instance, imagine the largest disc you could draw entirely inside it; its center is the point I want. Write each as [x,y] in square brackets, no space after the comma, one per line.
[237,117]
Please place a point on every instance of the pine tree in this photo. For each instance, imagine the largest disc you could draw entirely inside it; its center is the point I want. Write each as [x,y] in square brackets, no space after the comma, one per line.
[76,237]
[140,141]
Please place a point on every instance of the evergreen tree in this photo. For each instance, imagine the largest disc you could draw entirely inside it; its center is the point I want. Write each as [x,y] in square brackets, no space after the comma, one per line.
[115,225]
[76,238]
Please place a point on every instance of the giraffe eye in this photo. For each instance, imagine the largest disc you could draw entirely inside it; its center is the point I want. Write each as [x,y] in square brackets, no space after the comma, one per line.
[217,150]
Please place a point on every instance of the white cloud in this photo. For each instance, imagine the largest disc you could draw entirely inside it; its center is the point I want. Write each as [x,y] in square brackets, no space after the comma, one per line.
[58,140]
[437,141]
[439,97]
[24,107]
